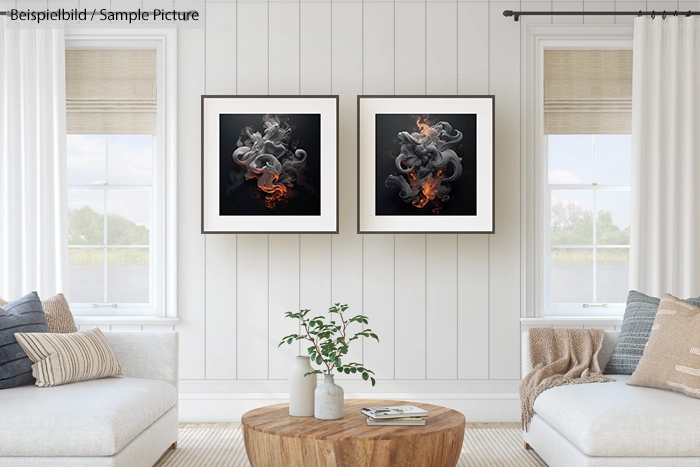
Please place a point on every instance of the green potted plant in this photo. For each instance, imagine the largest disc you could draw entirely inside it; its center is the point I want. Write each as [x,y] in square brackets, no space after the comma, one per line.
[330,339]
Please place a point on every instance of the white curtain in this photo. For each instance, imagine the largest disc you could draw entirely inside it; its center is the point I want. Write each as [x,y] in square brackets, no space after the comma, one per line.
[665,229]
[33,205]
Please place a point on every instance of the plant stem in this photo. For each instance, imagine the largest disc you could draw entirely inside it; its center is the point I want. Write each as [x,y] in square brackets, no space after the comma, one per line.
[318,351]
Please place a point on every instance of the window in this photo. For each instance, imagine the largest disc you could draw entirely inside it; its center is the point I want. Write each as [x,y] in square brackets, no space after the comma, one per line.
[588,194]
[586,153]
[121,173]
[110,219]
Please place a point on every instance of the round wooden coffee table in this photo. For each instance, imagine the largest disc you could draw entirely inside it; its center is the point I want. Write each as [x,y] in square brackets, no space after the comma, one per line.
[273,438]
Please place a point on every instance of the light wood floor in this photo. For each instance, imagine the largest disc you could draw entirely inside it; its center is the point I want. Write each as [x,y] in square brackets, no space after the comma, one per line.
[206,426]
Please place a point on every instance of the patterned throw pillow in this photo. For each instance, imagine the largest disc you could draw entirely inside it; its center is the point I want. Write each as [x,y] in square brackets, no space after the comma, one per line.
[57,312]
[23,315]
[672,357]
[68,358]
[634,335]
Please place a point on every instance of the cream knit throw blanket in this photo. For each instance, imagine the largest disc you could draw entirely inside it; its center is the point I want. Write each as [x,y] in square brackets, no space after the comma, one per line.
[560,357]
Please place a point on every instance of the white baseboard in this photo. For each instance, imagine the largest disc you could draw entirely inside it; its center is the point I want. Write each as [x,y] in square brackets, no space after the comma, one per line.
[229,407]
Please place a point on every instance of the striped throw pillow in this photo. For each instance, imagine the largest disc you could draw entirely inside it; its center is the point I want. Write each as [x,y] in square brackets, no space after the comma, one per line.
[68,358]
[672,357]
[58,313]
[23,315]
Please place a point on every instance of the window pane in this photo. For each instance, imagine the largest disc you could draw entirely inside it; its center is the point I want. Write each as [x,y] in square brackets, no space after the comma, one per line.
[613,218]
[613,159]
[85,217]
[130,159]
[572,217]
[129,217]
[612,274]
[571,275]
[570,159]
[128,275]
[86,275]
[86,159]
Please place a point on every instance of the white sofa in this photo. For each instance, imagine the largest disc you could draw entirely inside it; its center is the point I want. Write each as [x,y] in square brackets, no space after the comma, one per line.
[613,424]
[127,421]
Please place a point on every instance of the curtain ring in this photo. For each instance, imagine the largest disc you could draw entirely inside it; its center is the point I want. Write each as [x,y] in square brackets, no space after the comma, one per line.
[653,14]
[664,15]
[689,14]
[640,14]
[675,13]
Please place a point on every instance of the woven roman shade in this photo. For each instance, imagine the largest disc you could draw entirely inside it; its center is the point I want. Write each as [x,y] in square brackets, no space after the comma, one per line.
[588,91]
[111,91]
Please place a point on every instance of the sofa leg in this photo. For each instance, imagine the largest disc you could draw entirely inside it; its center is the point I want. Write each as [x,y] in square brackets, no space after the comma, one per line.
[174,445]
[527,446]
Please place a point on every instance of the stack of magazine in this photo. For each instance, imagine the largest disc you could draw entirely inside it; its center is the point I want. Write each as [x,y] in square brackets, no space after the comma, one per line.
[403,415]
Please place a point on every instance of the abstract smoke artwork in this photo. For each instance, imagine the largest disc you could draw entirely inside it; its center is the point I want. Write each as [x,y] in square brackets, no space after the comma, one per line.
[426,164]
[269,164]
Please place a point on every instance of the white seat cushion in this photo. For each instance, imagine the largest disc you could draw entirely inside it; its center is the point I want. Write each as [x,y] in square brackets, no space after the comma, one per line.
[616,420]
[90,418]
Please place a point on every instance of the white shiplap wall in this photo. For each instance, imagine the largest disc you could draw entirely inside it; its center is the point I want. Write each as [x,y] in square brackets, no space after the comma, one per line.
[446,306]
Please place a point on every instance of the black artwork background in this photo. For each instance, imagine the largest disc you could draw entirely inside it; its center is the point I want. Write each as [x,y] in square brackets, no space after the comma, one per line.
[388,202]
[243,202]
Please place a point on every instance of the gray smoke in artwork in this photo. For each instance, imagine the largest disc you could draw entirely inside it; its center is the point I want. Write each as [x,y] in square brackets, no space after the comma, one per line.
[427,164]
[272,159]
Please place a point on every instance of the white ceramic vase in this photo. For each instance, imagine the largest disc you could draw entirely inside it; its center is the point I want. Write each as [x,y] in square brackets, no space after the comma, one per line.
[329,400]
[301,389]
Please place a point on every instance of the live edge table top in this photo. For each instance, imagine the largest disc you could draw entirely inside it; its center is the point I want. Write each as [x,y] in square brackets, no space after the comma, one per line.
[275,419]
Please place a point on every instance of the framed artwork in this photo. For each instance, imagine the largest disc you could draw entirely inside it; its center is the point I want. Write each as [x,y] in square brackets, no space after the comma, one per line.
[425,164]
[269,164]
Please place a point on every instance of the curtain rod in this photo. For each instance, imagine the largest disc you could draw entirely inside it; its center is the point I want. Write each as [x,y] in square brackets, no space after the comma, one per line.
[517,14]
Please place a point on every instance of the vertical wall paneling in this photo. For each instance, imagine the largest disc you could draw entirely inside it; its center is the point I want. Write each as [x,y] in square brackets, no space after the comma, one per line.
[252,259]
[441,59]
[252,47]
[473,251]
[378,250]
[283,249]
[441,250]
[346,41]
[316,259]
[567,6]
[504,245]
[283,37]
[628,6]
[220,276]
[598,6]
[190,247]
[410,47]
[316,41]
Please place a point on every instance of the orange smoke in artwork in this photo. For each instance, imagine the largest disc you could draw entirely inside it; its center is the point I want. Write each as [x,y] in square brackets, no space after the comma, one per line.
[426,164]
[272,160]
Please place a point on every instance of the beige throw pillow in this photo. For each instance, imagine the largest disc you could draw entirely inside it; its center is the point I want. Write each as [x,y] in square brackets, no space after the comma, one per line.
[671,359]
[57,312]
[67,358]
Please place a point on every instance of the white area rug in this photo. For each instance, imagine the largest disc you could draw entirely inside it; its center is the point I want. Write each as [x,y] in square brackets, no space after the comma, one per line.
[223,447]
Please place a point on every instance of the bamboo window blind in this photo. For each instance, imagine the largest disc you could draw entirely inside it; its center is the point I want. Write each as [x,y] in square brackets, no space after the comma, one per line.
[111,91]
[588,91]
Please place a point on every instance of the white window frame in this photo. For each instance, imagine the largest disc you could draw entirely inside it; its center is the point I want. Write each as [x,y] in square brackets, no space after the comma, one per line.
[534,177]
[163,236]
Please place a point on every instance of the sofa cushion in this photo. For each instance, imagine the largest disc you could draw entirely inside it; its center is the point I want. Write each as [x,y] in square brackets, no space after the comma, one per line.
[22,315]
[617,420]
[634,334]
[91,418]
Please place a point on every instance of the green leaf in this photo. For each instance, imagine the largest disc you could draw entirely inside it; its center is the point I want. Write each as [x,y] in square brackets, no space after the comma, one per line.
[337,361]
[365,376]
[347,370]
[319,360]
[373,381]
[290,340]
[354,370]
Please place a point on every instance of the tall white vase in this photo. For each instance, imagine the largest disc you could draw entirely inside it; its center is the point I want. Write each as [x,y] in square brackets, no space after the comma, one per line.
[301,389]
[329,400]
